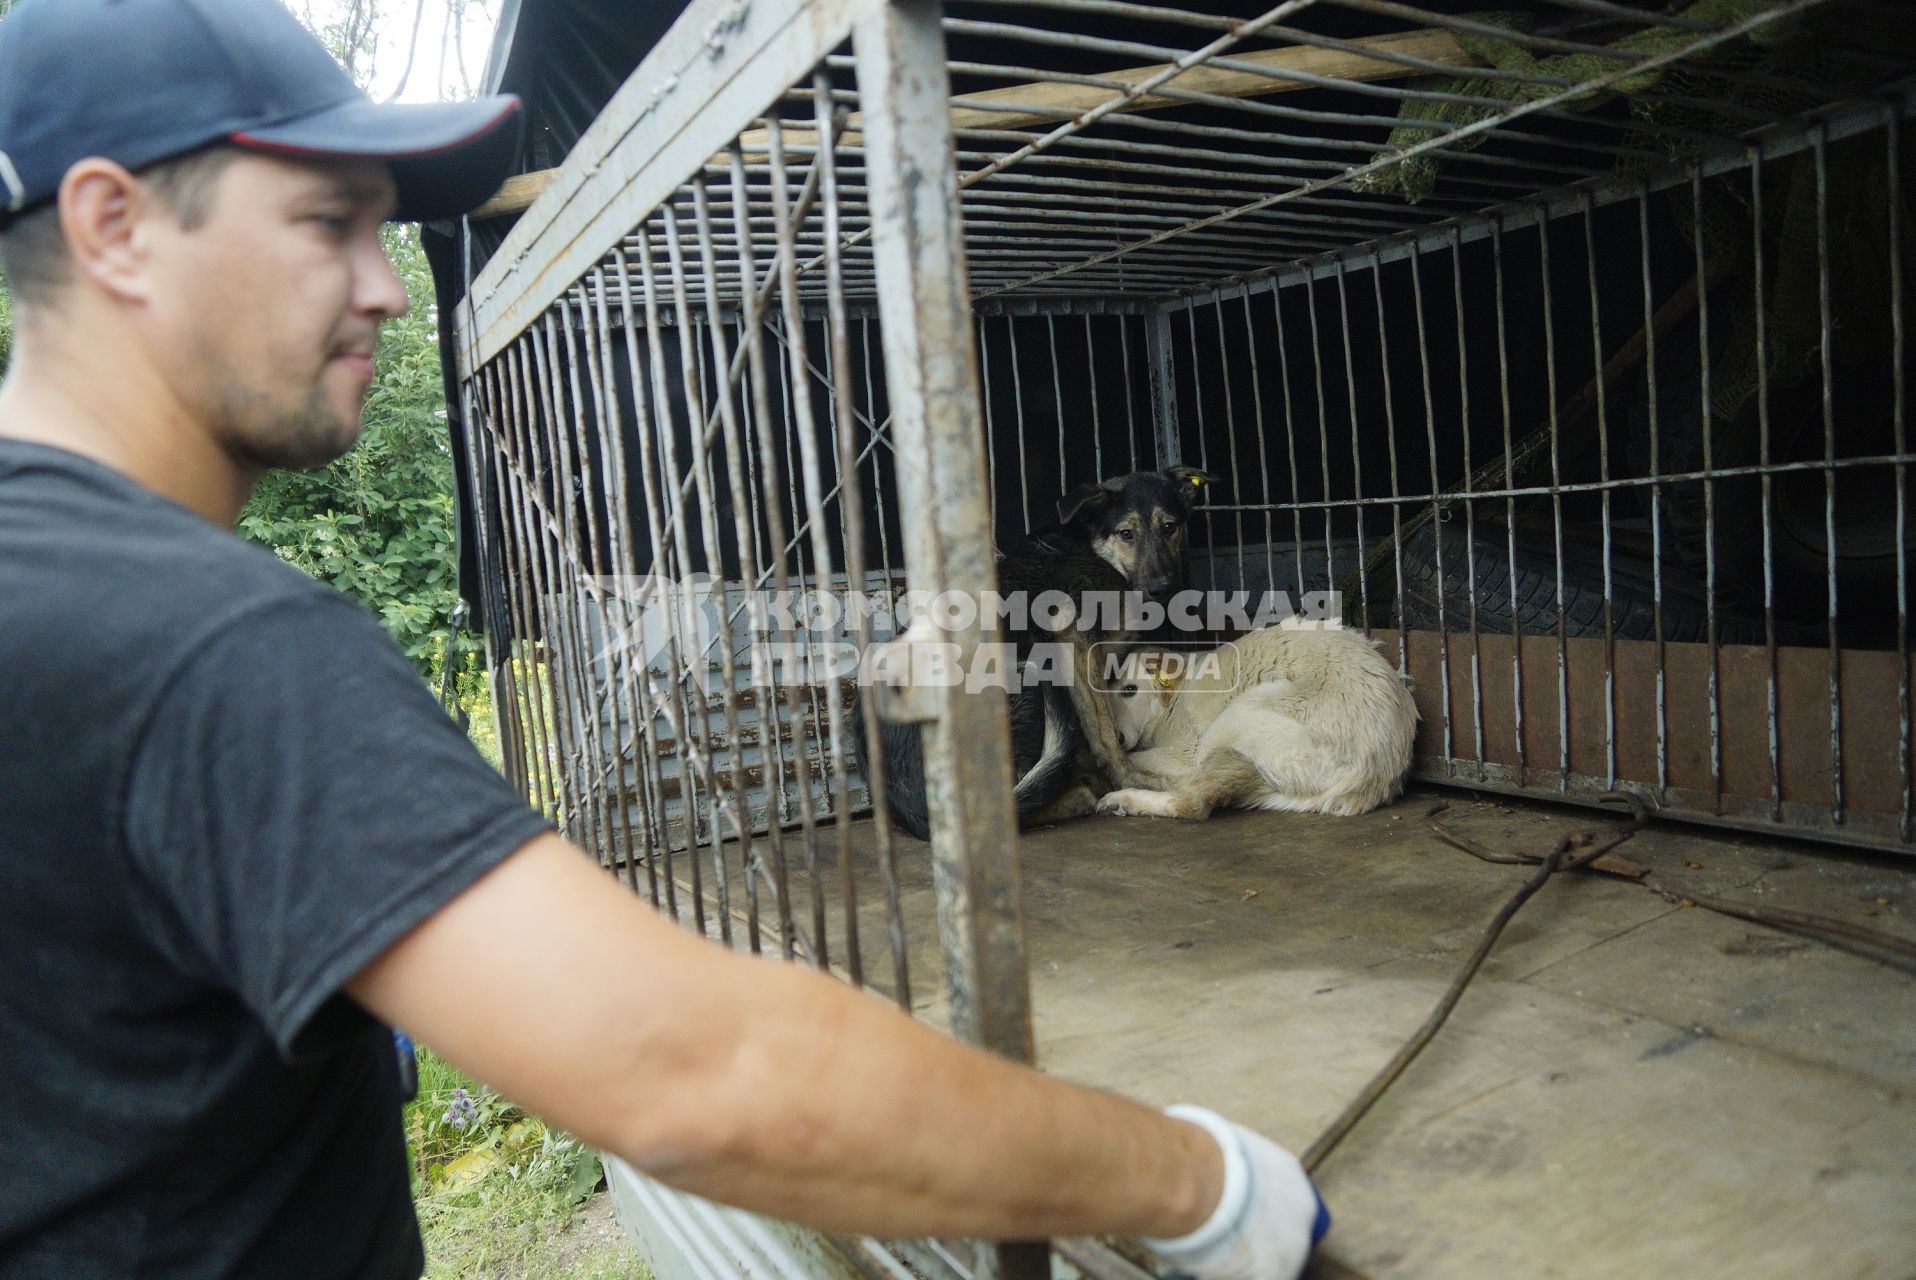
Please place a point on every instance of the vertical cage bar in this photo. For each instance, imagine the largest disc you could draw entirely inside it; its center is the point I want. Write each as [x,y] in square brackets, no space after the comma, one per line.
[755,324]
[1323,433]
[655,436]
[526,678]
[1774,737]
[567,703]
[1396,476]
[1827,363]
[1130,401]
[1438,516]
[1708,417]
[805,431]
[1229,466]
[531,482]
[1018,410]
[1357,463]
[1057,405]
[611,756]
[1600,383]
[985,385]
[570,503]
[693,665]
[1656,499]
[918,246]
[1197,413]
[851,507]
[1290,441]
[1091,379]
[1893,183]
[631,674]
[1469,501]
[1510,501]
[1164,392]
[1263,456]
[1556,499]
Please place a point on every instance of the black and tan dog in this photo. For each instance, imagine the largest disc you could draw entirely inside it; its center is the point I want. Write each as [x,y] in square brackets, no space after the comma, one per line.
[1124,534]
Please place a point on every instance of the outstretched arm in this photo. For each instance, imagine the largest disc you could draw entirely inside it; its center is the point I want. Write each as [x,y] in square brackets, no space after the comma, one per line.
[765,1085]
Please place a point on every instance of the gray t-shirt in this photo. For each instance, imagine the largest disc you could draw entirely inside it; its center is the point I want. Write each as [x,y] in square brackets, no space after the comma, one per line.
[223,792]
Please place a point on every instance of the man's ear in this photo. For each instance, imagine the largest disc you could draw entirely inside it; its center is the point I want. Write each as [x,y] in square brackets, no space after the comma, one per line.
[103,211]
[1082,500]
[1191,483]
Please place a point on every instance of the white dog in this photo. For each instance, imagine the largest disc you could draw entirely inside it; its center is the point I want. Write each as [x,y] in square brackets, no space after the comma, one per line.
[1308,721]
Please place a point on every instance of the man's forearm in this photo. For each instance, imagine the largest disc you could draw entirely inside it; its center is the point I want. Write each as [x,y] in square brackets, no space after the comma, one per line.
[853,1117]
[766,1085]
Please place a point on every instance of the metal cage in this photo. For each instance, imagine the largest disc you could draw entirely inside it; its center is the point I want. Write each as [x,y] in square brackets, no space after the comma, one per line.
[1568,348]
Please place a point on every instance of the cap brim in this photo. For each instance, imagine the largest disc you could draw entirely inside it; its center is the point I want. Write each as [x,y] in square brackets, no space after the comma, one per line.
[447,158]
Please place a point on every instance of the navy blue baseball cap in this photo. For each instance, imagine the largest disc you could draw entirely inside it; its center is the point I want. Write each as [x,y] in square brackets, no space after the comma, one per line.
[140,81]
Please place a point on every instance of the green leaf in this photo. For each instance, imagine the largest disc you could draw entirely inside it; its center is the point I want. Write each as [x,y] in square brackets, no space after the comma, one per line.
[583,1178]
[378,523]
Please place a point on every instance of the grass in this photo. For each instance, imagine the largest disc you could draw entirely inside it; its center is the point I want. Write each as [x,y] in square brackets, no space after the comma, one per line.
[501,1195]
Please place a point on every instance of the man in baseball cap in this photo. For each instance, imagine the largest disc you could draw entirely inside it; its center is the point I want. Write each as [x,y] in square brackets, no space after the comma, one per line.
[239,839]
[140,81]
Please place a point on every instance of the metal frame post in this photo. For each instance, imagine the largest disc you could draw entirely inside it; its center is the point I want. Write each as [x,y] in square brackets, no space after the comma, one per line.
[932,373]
[1164,388]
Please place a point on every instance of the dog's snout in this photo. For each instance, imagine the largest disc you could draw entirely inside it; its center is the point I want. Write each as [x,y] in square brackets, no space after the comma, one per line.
[1158,586]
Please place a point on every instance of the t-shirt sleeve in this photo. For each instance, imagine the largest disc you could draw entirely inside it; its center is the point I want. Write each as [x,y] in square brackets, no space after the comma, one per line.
[298,801]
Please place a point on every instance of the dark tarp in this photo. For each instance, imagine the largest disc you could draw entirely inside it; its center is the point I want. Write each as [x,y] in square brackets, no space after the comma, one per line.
[565,59]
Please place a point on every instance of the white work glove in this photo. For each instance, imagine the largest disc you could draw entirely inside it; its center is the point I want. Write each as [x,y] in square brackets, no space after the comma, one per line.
[1265,1222]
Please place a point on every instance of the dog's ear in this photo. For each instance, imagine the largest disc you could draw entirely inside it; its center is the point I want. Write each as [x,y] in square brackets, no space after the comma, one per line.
[1083,500]
[1191,483]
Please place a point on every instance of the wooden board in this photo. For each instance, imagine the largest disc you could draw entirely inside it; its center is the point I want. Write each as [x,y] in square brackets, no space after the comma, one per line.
[1630,1089]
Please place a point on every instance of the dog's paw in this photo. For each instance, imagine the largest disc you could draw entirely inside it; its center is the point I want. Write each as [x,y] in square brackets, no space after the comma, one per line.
[1133,802]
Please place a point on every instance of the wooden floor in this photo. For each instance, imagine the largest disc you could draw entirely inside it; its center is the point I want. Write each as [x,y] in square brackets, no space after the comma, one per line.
[1630,1090]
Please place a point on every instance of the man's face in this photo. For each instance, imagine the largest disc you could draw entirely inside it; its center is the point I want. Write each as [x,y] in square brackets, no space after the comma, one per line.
[268,311]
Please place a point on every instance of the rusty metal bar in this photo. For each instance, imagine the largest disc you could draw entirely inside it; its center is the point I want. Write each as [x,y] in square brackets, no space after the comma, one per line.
[1436,486]
[1656,506]
[1263,456]
[1821,156]
[1468,499]
[1893,174]
[931,367]
[1018,406]
[1290,438]
[1396,479]
[1357,463]
[1130,405]
[1229,467]
[1323,430]
[758,427]
[1597,359]
[1197,397]
[852,505]
[1162,364]
[1510,501]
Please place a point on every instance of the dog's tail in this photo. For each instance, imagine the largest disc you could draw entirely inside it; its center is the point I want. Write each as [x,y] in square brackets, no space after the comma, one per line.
[1063,735]
[903,750]
[904,771]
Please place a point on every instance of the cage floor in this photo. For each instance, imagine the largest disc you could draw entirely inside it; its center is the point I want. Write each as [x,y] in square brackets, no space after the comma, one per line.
[1630,1088]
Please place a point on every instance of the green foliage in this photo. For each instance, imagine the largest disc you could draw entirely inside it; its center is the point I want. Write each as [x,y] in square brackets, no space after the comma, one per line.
[497,1190]
[379,523]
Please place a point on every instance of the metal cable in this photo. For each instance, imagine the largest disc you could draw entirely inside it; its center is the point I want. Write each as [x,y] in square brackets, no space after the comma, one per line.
[1588,846]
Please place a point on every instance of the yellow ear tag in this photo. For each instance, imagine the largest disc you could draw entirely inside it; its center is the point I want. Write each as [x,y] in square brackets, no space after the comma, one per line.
[1163,681]
[1197,482]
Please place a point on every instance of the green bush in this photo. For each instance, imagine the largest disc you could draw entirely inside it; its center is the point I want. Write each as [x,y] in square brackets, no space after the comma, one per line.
[497,1190]
[379,523]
